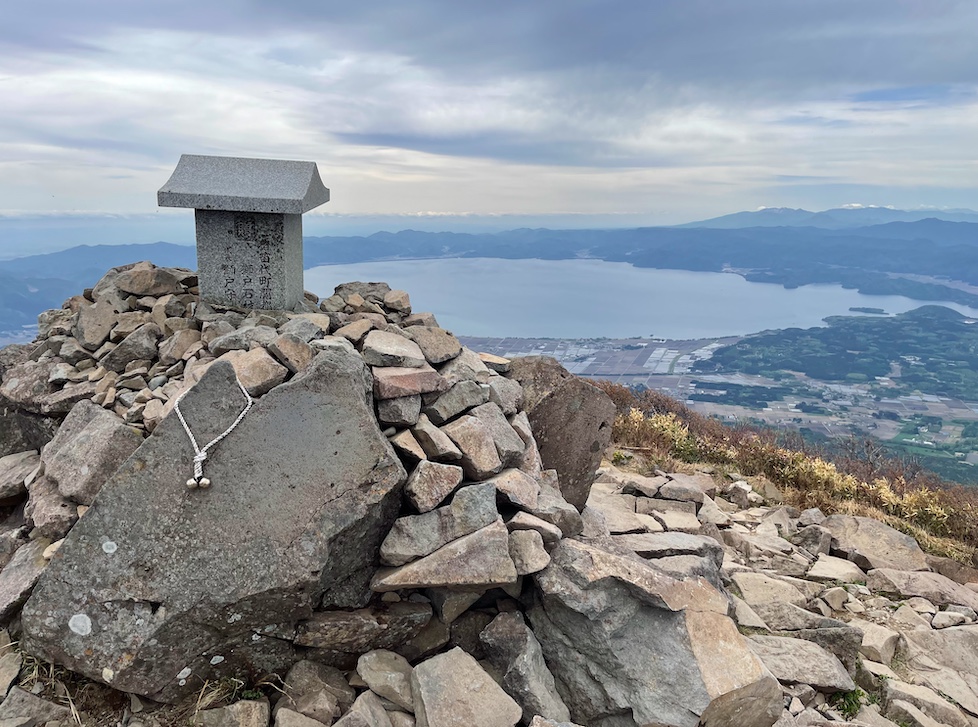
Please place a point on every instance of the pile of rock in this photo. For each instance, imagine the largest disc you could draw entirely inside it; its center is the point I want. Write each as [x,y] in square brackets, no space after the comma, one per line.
[407,532]
[830,603]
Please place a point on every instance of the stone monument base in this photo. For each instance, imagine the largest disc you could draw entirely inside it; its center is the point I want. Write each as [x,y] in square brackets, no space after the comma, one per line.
[250,259]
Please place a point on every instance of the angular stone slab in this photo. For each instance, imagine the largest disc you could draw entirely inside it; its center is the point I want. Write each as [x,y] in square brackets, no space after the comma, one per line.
[571,422]
[14,469]
[871,544]
[480,458]
[391,382]
[796,661]
[476,560]
[354,632]
[515,653]
[611,626]
[89,446]
[430,483]
[415,536]
[933,586]
[381,348]
[452,689]
[157,581]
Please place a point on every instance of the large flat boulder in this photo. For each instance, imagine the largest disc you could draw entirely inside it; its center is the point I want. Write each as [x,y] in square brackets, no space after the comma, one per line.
[630,645]
[871,544]
[933,586]
[571,422]
[160,587]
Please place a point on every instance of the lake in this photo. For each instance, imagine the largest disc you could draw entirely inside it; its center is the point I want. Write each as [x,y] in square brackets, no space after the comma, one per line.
[594,298]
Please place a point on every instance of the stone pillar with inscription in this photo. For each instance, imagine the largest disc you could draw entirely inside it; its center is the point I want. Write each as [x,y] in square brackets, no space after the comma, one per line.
[249,225]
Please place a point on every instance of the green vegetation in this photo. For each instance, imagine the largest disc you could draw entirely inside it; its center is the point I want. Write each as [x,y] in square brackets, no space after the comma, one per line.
[936,349]
[848,703]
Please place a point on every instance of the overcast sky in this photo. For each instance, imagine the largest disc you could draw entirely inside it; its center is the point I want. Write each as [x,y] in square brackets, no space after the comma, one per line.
[610,112]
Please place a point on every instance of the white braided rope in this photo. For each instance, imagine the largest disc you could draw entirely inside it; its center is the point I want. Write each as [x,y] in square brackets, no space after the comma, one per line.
[201,452]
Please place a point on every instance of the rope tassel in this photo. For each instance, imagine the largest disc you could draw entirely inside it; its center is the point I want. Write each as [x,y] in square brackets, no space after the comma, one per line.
[200,453]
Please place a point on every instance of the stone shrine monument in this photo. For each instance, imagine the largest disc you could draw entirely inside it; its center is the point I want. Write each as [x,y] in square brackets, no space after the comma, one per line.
[249,225]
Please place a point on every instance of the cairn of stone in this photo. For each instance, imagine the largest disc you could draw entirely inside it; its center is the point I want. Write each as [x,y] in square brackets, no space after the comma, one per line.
[412,533]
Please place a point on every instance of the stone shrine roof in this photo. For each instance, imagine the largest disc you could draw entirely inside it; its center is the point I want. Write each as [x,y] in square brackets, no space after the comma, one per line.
[243,185]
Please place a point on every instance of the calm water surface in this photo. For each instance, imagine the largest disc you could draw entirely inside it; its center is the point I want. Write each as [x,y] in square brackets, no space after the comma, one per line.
[594,298]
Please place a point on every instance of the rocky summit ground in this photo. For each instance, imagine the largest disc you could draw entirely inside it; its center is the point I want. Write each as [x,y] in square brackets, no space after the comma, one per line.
[402,531]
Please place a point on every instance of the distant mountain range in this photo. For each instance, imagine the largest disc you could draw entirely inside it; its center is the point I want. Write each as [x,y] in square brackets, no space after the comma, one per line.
[916,258]
[834,219]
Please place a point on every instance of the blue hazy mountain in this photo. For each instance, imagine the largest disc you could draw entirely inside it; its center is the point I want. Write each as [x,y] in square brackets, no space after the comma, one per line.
[874,259]
[834,219]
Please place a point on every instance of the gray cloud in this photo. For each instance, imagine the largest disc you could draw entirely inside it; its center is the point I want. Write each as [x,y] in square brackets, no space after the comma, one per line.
[689,97]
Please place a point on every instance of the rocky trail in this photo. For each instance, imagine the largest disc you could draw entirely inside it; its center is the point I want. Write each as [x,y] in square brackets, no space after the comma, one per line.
[401,531]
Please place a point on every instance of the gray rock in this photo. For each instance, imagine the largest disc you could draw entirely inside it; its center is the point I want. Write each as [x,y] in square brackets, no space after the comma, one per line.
[388,675]
[571,422]
[459,399]
[381,348]
[435,443]
[662,545]
[515,653]
[258,372]
[473,439]
[242,339]
[303,491]
[21,431]
[814,538]
[525,521]
[553,508]
[310,686]
[478,560]
[391,382]
[400,412]
[144,278]
[811,516]
[796,661]
[926,700]
[173,348]
[246,713]
[506,394]
[19,576]
[527,551]
[437,344]
[355,632]
[292,352]
[26,387]
[138,345]
[94,324]
[415,536]
[509,444]
[369,291]
[90,445]
[781,616]
[367,711]
[302,328]
[467,366]
[517,488]
[452,689]
[430,483]
[23,709]
[285,717]
[14,469]
[610,625]
[933,586]
[842,641]
[449,603]
[49,513]
[871,544]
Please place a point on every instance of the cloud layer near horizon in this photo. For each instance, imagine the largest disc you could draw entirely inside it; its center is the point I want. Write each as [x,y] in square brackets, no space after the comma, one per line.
[662,111]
